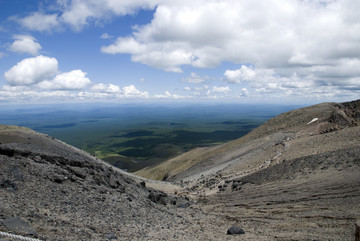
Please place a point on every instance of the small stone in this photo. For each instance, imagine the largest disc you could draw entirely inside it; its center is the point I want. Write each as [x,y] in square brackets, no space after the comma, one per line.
[158,198]
[8,185]
[235,230]
[183,205]
[111,236]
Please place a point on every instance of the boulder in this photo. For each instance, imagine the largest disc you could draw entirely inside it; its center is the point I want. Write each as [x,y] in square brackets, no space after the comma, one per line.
[235,230]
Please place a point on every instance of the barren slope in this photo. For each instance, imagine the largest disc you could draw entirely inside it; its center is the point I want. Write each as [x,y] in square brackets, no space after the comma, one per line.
[54,191]
[296,177]
[268,140]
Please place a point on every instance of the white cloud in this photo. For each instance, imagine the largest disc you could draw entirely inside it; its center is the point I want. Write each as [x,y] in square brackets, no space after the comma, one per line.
[106,36]
[2,54]
[111,91]
[245,73]
[195,79]
[131,91]
[124,45]
[103,92]
[244,92]
[79,13]
[32,70]
[40,22]
[157,56]
[106,88]
[221,89]
[187,88]
[25,93]
[198,91]
[25,44]
[316,40]
[168,95]
[73,80]
[42,72]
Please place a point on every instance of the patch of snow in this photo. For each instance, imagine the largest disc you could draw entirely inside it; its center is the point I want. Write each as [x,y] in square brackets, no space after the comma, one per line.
[312,121]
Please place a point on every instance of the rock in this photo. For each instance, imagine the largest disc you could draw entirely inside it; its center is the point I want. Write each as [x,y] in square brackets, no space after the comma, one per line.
[8,185]
[58,178]
[78,171]
[184,205]
[18,225]
[111,236]
[223,189]
[158,198]
[235,230]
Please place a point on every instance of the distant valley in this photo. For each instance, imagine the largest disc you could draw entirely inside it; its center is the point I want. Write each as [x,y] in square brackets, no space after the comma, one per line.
[134,136]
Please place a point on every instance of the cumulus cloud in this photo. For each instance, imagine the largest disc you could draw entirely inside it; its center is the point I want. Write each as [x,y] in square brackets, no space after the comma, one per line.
[293,28]
[32,70]
[131,91]
[25,44]
[106,88]
[158,56]
[245,73]
[111,91]
[124,45]
[306,81]
[244,92]
[79,13]
[42,72]
[313,44]
[72,80]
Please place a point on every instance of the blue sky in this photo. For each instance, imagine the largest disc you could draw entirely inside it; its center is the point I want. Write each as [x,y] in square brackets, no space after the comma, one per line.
[155,50]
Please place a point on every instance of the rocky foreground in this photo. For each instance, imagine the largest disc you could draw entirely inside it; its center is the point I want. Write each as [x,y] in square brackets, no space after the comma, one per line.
[52,191]
[291,179]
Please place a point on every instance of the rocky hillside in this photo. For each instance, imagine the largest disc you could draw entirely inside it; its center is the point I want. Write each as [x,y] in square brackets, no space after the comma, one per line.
[296,177]
[272,139]
[52,191]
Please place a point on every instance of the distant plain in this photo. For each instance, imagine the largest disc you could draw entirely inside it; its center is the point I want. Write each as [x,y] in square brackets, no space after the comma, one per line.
[133,136]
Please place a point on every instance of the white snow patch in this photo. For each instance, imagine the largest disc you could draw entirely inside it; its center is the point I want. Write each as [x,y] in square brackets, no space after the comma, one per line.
[312,121]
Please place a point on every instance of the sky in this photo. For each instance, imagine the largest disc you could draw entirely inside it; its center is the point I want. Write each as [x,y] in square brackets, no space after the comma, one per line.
[241,51]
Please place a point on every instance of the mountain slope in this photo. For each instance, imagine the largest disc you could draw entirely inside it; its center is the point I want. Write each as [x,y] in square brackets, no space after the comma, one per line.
[53,191]
[296,177]
[271,136]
